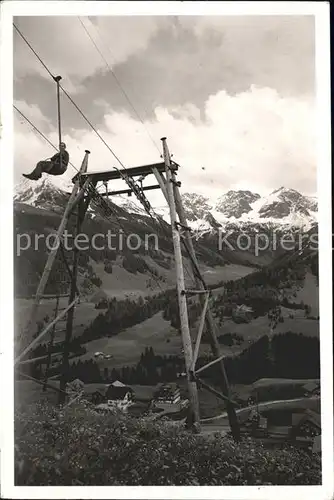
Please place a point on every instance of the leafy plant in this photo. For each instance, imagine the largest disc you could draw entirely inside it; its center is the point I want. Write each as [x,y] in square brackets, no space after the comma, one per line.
[74,445]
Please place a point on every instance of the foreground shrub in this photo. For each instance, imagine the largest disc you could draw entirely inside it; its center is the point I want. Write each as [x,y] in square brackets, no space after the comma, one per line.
[77,446]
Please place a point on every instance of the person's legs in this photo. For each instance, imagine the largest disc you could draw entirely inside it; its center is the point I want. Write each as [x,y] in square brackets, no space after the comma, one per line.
[42,166]
[57,169]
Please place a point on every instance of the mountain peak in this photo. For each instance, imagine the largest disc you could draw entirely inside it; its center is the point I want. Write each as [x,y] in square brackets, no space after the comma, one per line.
[282,207]
[236,203]
[44,193]
[196,206]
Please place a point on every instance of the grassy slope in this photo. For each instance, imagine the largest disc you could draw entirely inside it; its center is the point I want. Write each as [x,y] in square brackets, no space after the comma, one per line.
[128,345]
[308,293]
[123,284]
[85,312]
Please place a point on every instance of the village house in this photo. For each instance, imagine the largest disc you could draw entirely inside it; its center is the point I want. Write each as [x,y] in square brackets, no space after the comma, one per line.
[306,426]
[242,314]
[297,426]
[119,395]
[168,397]
[96,393]
[167,393]
[75,386]
[115,394]
[311,389]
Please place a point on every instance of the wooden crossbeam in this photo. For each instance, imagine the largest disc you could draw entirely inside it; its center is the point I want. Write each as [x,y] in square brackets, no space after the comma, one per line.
[75,196]
[53,296]
[44,332]
[196,292]
[33,360]
[40,383]
[200,332]
[129,191]
[210,364]
[109,175]
[162,182]
[219,395]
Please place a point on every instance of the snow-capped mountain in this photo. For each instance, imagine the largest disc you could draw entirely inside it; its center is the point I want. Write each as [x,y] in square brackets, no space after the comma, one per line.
[240,210]
[236,203]
[236,210]
[196,206]
[44,193]
[282,203]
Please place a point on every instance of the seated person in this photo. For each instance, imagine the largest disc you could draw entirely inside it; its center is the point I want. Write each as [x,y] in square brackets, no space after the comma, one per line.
[52,166]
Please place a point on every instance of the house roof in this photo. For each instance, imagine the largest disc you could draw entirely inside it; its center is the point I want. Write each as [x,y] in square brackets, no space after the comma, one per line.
[143,392]
[91,388]
[311,386]
[77,381]
[117,392]
[309,416]
[244,308]
[167,387]
[117,383]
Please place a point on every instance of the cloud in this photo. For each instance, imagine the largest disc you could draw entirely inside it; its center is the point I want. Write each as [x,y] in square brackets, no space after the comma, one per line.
[168,62]
[256,138]
[65,47]
[33,113]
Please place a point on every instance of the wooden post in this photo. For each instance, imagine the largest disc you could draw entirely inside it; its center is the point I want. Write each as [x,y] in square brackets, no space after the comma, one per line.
[39,382]
[57,80]
[82,208]
[182,300]
[210,322]
[53,252]
[48,362]
[44,332]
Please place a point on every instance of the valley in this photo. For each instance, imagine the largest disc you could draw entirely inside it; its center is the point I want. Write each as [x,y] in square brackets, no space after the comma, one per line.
[128,309]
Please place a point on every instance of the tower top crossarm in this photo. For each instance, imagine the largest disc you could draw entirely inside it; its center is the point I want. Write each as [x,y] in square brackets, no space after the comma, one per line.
[109,175]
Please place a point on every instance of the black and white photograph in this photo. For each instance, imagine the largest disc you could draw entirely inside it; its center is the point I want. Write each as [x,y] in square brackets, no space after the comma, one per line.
[166,254]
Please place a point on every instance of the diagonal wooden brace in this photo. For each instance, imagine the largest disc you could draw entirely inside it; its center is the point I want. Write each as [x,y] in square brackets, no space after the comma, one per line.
[45,331]
[200,332]
[210,364]
[219,395]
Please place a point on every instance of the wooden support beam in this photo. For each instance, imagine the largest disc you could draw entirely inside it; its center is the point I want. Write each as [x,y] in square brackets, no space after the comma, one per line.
[109,175]
[162,182]
[182,300]
[39,382]
[75,398]
[82,209]
[53,253]
[129,191]
[53,296]
[33,360]
[210,364]
[44,332]
[49,354]
[196,292]
[219,395]
[200,332]
[211,326]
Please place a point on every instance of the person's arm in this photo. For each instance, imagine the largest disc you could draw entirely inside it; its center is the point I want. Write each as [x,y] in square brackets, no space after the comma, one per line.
[65,158]
[55,157]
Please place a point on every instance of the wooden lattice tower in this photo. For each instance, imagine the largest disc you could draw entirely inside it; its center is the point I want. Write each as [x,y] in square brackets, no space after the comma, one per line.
[83,191]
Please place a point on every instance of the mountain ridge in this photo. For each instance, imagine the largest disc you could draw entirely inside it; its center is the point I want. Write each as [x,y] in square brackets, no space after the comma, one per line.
[242,210]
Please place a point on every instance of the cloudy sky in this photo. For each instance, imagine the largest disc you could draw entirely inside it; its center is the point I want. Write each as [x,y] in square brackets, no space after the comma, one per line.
[235,96]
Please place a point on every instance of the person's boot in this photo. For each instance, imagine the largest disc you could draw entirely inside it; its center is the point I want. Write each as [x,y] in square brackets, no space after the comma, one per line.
[34,176]
[30,176]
